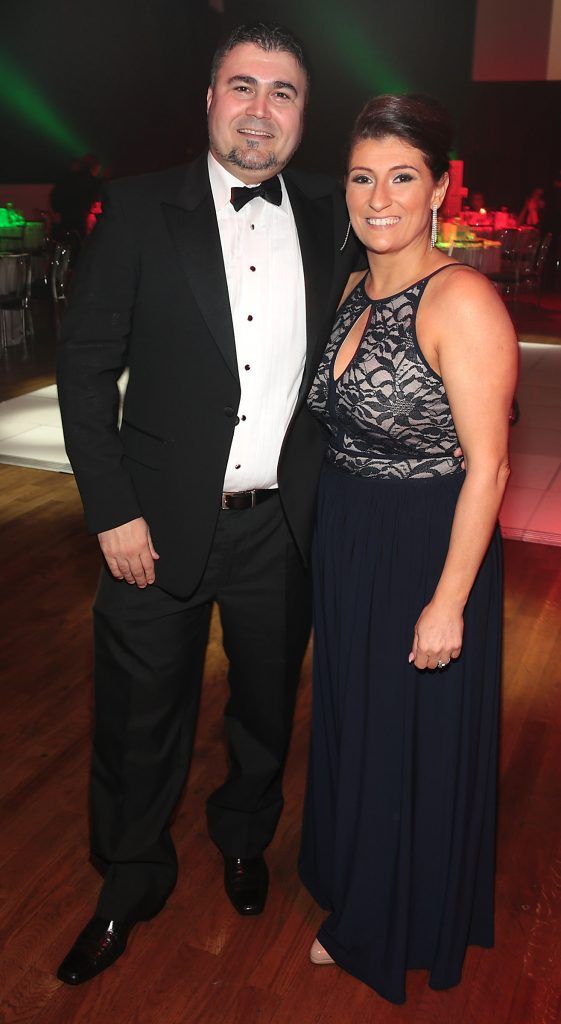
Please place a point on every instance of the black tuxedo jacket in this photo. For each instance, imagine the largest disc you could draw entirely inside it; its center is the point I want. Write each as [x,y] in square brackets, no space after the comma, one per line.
[151,294]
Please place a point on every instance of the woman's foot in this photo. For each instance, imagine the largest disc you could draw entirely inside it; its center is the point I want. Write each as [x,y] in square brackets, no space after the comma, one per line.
[319,955]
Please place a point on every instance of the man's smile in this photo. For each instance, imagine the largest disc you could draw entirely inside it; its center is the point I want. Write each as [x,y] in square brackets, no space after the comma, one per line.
[258,133]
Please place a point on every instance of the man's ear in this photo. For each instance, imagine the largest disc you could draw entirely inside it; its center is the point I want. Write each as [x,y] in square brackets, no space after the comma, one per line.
[208,98]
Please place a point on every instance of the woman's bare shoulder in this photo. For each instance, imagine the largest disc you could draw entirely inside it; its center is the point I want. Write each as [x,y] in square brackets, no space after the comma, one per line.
[462,282]
[467,312]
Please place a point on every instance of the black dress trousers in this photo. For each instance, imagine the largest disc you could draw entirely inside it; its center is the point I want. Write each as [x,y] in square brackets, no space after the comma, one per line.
[149,655]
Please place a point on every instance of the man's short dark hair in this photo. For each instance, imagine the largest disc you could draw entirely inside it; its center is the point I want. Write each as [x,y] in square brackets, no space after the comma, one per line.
[271,38]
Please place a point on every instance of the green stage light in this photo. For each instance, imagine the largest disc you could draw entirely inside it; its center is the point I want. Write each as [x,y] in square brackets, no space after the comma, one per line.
[17,93]
[352,42]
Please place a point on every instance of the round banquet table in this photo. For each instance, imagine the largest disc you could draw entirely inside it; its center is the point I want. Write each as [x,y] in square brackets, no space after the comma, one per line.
[28,236]
[485,256]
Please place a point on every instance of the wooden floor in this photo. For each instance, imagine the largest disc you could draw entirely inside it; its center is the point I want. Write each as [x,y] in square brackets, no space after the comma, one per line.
[198,961]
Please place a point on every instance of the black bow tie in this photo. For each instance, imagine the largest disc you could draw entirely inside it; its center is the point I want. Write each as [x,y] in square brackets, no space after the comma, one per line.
[270,190]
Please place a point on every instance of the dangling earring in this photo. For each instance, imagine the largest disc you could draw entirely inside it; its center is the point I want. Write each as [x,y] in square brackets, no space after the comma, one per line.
[434,227]
[346,237]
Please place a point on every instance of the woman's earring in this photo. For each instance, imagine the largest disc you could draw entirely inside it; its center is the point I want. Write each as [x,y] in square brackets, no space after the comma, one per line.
[346,237]
[434,227]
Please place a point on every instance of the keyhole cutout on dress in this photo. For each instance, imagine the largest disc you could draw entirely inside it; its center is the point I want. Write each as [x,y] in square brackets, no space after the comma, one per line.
[351,344]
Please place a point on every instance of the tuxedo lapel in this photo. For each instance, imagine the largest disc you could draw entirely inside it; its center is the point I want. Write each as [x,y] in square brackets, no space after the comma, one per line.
[314,223]
[191,222]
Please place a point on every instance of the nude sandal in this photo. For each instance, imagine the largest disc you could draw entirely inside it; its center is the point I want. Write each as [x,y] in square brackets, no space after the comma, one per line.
[319,955]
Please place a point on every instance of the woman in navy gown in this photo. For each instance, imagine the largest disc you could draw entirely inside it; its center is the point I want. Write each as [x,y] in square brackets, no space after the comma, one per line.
[399,825]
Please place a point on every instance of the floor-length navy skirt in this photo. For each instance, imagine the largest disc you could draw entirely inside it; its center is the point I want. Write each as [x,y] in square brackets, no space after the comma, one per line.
[399,823]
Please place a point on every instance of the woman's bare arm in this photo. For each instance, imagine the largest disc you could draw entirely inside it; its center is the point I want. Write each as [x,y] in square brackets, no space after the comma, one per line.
[478,358]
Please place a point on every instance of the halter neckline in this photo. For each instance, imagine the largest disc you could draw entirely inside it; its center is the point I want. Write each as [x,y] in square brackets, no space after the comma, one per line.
[422,280]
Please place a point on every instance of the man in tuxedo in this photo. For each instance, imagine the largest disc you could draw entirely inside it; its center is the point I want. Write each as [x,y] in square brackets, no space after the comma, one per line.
[216,284]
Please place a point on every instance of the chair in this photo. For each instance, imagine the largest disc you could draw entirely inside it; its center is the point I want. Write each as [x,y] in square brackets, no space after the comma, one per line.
[15,285]
[528,249]
[519,249]
[510,243]
[532,278]
[59,277]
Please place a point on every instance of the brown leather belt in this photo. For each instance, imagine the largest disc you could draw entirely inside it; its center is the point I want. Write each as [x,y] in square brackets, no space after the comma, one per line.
[239,500]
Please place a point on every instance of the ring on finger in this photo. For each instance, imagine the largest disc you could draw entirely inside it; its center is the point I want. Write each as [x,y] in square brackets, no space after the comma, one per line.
[442,664]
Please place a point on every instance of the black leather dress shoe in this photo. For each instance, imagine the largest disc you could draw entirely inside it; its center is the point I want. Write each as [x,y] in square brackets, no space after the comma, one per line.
[246,880]
[96,948]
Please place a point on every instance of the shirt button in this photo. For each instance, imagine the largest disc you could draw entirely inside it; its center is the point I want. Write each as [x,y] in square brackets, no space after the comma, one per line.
[252,226]
[238,465]
[252,268]
[247,366]
[250,317]
[237,420]
[244,418]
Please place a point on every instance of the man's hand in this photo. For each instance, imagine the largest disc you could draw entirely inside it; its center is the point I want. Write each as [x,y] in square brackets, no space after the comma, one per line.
[129,552]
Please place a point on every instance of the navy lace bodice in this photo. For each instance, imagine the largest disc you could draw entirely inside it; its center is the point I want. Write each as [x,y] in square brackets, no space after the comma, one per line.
[387,414]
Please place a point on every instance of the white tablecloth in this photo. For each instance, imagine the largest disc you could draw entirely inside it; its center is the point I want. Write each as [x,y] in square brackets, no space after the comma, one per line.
[486,258]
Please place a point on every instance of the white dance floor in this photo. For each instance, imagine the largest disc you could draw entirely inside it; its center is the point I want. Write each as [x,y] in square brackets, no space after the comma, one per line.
[31,430]
[31,435]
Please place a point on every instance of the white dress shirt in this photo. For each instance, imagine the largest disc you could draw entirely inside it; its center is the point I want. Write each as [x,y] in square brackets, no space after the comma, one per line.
[265,279]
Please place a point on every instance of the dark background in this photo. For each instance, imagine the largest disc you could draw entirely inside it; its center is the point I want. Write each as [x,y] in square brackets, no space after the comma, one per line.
[126,79]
